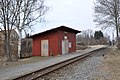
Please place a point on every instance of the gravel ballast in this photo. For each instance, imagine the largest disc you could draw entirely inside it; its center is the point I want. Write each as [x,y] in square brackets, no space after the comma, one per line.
[87,69]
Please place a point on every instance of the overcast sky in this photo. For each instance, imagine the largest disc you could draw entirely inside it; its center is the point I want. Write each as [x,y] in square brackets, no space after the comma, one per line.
[77,14]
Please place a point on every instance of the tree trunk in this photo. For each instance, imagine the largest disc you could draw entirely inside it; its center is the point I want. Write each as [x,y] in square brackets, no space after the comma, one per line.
[7,47]
[117,34]
[19,44]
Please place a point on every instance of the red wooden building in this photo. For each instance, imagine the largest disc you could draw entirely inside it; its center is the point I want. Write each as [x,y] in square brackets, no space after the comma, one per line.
[55,41]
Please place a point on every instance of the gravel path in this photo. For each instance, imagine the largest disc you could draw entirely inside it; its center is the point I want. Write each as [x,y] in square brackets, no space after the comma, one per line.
[87,69]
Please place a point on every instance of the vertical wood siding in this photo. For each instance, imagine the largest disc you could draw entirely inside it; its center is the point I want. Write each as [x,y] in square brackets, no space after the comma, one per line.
[55,42]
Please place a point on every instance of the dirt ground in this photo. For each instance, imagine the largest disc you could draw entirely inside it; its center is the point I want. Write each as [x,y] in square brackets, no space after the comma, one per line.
[6,64]
[111,64]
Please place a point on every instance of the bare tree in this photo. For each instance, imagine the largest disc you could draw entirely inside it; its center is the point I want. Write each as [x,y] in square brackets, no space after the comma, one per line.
[107,14]
[86,36]
[19,14]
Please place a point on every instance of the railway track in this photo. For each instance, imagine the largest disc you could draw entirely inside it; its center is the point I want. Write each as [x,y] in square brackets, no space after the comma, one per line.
[39,73]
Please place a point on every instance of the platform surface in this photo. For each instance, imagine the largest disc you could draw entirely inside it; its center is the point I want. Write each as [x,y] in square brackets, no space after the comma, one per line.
[16,71]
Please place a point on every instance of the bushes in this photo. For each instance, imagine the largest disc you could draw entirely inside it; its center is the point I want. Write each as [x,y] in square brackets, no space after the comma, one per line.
[81,46]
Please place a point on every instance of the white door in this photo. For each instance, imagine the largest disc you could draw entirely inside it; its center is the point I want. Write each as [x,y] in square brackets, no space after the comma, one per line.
[65,46]
[44,48]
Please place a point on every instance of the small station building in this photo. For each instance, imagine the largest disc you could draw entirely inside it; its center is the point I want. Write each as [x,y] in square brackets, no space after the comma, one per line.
[57,41]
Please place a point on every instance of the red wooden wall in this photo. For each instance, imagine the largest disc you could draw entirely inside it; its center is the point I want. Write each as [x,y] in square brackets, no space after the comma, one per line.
[71,38]
[52,38]
[55,42]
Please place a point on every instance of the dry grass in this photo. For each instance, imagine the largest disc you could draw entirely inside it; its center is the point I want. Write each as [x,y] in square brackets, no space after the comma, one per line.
[111,64]
[81,47]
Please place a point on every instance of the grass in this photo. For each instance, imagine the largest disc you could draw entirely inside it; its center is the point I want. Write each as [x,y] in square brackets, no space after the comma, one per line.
[111,64]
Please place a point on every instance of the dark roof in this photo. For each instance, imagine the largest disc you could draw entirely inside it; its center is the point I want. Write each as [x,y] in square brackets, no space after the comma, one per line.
[61,28]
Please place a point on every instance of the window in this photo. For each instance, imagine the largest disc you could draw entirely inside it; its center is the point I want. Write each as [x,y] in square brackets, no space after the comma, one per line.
[65,37]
